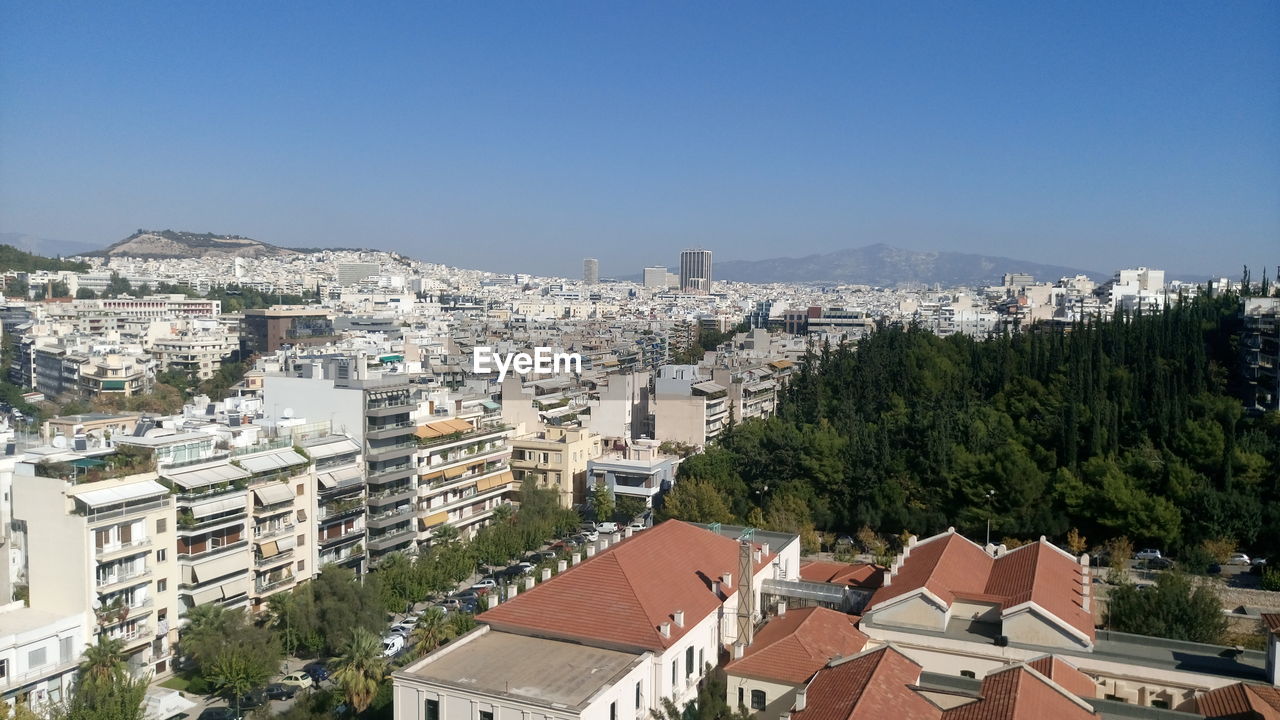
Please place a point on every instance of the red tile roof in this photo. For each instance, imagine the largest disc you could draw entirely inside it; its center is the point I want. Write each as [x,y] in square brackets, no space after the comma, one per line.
[792,647]
[951,567]
[1017,693]
[1272,621]
[623,594]
[1240,701]
[1066,675]
[863,575]
[871,686]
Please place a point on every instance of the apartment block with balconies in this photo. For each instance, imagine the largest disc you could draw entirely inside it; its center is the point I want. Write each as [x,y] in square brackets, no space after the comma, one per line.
[464,471]
[121,532]
[340,499]
[213,543]
[556,458]
[281,485]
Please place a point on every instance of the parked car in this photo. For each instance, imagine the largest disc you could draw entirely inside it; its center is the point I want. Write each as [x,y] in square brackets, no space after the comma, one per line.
[577,541]
[637,526]
[1259,562]
[525,567]
[280,691]
[299,678]
[543,555]
[467,595]
[484,585]
[218,713]
[1238,559]
[403,628]
[608,528]
[392,645]
[318,672]
[253,699]
[448,604]
[1148,554]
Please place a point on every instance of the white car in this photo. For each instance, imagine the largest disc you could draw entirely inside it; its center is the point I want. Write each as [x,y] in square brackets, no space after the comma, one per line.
[1238,559]
[589,534]
[1259,562]
[608,528]
[1148,554]
[636,527]
[391,645]
[485,584]
[403,628]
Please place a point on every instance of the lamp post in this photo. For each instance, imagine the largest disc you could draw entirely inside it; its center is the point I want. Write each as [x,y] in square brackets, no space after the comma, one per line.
[991,494]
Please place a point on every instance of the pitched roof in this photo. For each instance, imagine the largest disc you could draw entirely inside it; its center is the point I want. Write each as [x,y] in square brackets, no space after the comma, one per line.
[1240,701]
[951,567]
[1019,693]
[1272,621]
[1066,675]
[623,594]
[863,575]
[792,647]
[871,686]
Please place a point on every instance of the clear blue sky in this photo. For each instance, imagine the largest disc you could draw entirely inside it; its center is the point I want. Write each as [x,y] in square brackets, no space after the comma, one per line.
[527,135]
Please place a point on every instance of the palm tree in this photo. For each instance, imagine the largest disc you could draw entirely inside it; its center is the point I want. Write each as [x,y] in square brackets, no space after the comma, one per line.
[360,669]
[104,660]
[432,630]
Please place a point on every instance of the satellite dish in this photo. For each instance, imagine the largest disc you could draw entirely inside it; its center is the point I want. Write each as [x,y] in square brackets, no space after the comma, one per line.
[60,442]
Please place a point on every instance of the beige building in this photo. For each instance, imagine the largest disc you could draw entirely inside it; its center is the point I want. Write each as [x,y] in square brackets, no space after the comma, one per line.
[199,354]
[281,484]
[556,457]
[104,550]
[465,474]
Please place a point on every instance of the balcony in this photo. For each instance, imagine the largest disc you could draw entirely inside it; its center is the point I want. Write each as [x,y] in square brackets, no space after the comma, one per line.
[120,550]
[391,539]
[349,534]
[388,497]
[473,436]
[385,519]
[213,550]
[378,432]
[391,474]
[383,409]
[269,585]
[95,516]
[266,533]
[390,452]
[280,557]
[340,509]
[188,525]
[115,582]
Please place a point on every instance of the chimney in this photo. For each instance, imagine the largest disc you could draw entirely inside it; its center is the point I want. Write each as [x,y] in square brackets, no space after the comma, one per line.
[562,565]
[591,551]
[738,649]
[802,699]
[764,548]
[679,618]
[528,582]
[665,629]
[756,555]
[493,600]
[727,579]
[577,558]
[715,588]
[512,590]
[546,572]
[782,608]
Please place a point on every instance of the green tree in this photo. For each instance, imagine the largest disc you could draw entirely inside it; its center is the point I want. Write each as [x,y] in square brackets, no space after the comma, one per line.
[602,501]
[360,669]
[1177,607]
[431,631]
[236,669]
[695,500]
[106,691]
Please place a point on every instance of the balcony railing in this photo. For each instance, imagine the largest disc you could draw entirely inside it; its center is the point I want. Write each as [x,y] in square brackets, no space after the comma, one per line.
[261,587]
[340,509]
[190,524]
[121,580]
[345,535]
[261,533]
[392,538]
[463,436]
[213,550]
[259,561]
[94,516]
[128,548]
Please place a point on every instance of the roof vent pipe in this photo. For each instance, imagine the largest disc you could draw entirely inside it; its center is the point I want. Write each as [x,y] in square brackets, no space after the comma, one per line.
[679,618]
[727,579]
[665,629]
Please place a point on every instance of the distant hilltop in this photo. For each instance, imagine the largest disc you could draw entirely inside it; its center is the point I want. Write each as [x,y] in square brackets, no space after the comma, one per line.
[180,244]
[884,266]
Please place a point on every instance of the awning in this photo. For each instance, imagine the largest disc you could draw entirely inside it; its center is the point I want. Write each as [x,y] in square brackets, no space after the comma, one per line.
[434,519]
[206,595]
[338,447]
[433,476]
[490,405]
[762,385]
[709,387]
[455,472]
[122,493]
[340,477]
[218,567]
[215,507]
[495,481]
[287,543]
[441,428]
[273,494]
[239,586]
[202,477]
[269,549]
[268,462]
[302,516]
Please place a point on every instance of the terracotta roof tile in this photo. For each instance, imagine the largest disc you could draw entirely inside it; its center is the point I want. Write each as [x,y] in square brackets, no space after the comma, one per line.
[951,567]
[791,648]
[1240,701]
[1018,694]
[863,575]
[1272,621]
[1066,675]
[872,686]
[623,594]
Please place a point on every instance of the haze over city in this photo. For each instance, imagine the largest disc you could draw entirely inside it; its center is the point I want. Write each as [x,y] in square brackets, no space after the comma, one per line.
[521,137]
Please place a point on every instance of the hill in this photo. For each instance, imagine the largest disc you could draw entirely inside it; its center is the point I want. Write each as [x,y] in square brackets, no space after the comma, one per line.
[180,244]
[11,258]
[885,266]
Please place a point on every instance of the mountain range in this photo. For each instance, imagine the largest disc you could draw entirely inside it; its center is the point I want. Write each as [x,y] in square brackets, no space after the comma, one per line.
[885,266]
[181,244]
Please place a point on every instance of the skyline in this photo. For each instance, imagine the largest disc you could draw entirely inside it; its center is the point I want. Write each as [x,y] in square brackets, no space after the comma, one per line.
[528,139]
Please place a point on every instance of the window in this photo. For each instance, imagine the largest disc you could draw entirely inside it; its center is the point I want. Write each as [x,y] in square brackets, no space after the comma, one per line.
[162,584]
[66,649]
[36,658]
[161,525]
[1116,698]
[1162,704]
[757,700]
[160,555]
[701,660]
[4,668]
[675,673]
[637,696]
[688,661]
[486,715]
[302,540]
[613,711]
[431,710]
[968,674]
[301,489]
[302,565]
[741,701]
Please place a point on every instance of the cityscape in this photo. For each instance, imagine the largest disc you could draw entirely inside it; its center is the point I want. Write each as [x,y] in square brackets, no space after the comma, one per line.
[504,451]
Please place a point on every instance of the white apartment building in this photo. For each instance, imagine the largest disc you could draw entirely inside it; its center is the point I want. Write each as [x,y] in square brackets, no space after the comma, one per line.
[39,653]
